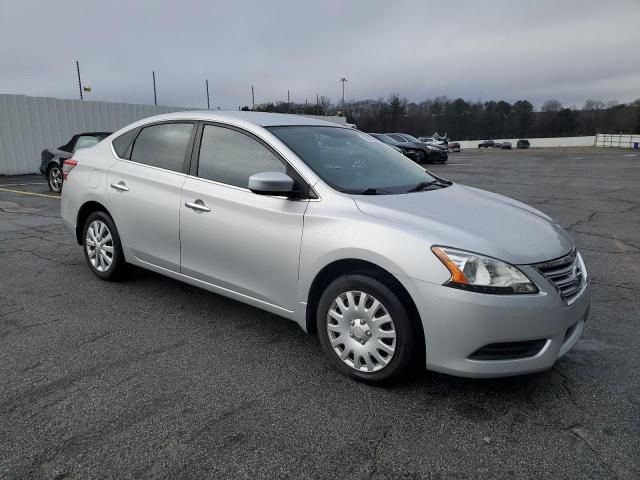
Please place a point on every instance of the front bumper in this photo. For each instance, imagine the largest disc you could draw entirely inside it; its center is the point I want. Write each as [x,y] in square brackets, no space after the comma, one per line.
[457,323]
[438,155]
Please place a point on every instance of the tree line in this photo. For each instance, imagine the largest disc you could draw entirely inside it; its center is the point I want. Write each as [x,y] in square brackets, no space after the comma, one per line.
[466,120]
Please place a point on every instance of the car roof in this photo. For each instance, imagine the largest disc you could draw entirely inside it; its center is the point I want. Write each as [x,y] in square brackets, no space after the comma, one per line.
[262,119]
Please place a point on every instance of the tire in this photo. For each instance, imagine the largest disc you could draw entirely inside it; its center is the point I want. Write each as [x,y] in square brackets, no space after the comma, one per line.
[108,239]
[54,178]
[370,361]
[420,157]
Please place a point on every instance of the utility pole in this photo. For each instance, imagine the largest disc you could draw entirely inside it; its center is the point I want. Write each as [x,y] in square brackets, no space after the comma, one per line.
[343,80]
[317,103]
[288,102]
[253,99]
[155,96]
[79,81]
[206,82]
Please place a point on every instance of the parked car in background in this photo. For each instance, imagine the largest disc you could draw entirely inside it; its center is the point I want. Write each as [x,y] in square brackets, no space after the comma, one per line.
[422,152]
[392,266]
[432,141]
[523,144]
[453,146]
[388,141]
[486,144]
[505,146]
[497,145]
[51,159]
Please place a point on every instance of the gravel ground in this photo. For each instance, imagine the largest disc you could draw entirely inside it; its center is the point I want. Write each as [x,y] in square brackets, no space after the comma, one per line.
[152,378]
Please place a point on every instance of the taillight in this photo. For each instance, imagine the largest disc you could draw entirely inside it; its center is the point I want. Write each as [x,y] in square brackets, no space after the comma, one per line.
[67,166]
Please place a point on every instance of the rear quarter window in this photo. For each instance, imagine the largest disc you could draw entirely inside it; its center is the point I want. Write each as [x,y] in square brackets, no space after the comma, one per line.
[122,143]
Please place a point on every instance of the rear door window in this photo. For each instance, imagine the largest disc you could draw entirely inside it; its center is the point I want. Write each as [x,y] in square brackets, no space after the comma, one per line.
[163,145]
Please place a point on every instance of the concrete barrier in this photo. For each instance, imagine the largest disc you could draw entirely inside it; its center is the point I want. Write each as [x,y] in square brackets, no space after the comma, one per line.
[587,141]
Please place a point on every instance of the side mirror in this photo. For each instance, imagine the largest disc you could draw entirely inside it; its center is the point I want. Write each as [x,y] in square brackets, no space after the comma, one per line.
[271,183]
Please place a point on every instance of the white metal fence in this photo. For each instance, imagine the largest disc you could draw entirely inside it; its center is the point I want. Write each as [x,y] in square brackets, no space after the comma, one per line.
[30,124]
[617,141]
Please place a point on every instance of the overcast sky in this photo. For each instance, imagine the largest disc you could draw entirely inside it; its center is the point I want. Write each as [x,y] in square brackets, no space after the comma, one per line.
[511,49]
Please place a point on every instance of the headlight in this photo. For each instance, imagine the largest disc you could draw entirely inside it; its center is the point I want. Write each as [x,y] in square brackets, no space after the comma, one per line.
[432,148]
[477,273]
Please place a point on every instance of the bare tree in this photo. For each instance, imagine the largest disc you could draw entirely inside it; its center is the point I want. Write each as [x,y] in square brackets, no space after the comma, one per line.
[593,105]
[551,106]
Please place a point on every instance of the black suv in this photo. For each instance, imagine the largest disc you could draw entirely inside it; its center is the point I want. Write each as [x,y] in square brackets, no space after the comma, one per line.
[523,144]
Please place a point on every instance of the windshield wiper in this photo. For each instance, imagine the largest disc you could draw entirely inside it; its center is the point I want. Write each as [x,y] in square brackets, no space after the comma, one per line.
[372,191]
[423,185]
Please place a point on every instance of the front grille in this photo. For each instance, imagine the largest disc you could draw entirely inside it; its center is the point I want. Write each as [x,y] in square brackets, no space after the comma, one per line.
[508,350]
[565,274]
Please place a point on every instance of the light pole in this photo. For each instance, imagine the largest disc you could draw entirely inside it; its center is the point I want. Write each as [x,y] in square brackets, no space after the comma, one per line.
[79,81]
[343,80]
[155,96]
[206,82]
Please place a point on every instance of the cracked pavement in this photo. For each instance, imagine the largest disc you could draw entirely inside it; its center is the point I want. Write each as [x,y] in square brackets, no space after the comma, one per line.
[151,378]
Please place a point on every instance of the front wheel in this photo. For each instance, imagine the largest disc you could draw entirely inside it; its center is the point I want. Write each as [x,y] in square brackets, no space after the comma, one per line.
[102,247]
[420,157]
[54,178]
[365,329]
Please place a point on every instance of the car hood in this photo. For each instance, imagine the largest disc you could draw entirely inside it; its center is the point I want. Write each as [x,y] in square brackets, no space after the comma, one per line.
[476,220]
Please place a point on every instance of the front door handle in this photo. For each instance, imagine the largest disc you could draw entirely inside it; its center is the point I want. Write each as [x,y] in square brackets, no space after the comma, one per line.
[120,186]
[198,206]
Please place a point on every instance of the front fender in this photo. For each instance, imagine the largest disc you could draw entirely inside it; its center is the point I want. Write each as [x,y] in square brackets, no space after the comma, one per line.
[348,234]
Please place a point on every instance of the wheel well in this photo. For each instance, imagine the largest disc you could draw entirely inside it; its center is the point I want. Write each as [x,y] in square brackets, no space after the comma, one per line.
[51,164]
[350,266]
[84,212]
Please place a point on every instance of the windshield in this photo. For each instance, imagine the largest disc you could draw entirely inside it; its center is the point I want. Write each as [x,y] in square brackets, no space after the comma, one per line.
[352,161]
[410,138]
[385,138]
[87,141]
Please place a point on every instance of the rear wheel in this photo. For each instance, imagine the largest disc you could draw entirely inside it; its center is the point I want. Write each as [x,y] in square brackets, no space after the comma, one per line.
[54,178]
[365,329]
[102,247]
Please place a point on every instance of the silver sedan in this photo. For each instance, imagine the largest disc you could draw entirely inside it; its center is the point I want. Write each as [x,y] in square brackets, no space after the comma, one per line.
[392,266]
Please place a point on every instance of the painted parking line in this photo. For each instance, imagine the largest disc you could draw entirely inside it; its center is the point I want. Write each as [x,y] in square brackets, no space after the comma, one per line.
[457,164]
[28,193]
[21,184]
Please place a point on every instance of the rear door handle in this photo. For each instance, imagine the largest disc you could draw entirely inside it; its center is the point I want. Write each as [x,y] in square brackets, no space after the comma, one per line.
[198,206]
[120,186]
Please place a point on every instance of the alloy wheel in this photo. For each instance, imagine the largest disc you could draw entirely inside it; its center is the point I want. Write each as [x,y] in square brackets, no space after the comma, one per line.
[99,244]
[55,179]
[361,331]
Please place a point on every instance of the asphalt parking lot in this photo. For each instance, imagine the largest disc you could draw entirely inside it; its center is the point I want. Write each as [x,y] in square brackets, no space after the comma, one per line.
[151,378]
